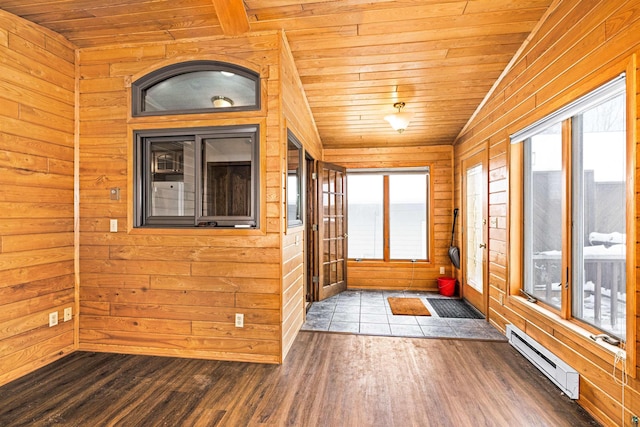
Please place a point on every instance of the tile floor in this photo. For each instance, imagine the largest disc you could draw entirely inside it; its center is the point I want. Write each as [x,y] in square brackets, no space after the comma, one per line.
[368,313]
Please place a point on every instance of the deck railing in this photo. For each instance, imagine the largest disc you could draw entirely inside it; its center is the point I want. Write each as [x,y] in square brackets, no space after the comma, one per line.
[604,279]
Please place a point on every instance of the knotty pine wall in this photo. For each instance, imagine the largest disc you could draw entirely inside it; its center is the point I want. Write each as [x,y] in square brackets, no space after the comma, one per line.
[176,292]
[581,45]
[407,275]
[37,98]
[298,119]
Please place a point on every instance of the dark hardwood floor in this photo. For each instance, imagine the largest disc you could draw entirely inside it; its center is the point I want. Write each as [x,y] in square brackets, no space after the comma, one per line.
[327,380]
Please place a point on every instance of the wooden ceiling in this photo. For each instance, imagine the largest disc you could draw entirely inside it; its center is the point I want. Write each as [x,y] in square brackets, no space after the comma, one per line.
[355,57]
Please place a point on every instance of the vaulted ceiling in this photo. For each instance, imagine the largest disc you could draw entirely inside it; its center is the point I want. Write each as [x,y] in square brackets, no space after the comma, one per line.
[356,58]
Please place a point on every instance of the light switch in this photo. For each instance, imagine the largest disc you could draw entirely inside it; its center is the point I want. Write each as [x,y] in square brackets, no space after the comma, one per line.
[113,225]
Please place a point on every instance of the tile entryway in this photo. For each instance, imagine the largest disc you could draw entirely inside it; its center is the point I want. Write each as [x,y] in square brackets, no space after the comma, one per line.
[368,313]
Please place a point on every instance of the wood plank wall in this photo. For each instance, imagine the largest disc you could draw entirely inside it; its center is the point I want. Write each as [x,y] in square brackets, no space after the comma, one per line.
[37,98]
[171,292]
[406,275]
[297,117]
[580,46]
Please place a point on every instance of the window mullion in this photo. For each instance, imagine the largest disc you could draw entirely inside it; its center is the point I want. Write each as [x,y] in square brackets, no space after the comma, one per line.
[198,179]
[386,227]
[567,220]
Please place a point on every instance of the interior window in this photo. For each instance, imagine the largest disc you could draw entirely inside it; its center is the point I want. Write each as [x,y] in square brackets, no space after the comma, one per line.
[196,87]
[294,181]
[197,177]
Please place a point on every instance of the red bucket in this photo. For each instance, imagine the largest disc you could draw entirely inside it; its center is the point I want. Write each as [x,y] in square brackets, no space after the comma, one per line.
[447,286]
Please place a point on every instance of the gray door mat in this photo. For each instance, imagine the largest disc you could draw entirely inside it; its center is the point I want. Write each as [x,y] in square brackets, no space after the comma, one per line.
[454,308]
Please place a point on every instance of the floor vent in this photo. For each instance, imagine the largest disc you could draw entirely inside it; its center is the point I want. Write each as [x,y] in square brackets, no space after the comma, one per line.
[562,375]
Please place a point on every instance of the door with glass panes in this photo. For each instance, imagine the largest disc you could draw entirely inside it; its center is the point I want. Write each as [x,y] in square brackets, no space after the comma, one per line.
[332,230]
[474,223]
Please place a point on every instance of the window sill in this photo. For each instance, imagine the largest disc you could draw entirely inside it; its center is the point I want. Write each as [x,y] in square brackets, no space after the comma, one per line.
[421,262]
[197,231]
[578,334]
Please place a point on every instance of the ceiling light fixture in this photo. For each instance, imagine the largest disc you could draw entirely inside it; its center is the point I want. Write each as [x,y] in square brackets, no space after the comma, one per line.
[221,102]
[399,121]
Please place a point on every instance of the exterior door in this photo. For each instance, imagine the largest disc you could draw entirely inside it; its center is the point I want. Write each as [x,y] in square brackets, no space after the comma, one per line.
[474,222]
[332,230]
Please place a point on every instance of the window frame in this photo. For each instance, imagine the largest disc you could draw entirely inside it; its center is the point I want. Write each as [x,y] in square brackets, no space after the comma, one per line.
[143,180]
[140,86]
[563,317]
[295,142]
[385,173]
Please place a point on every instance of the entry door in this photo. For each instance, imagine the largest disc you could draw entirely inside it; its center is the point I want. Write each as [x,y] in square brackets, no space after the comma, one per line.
[332,230]
[474,222]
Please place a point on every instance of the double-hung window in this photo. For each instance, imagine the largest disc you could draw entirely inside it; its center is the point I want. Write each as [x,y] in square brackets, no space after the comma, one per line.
[388,214]
[199,177]
[574,209]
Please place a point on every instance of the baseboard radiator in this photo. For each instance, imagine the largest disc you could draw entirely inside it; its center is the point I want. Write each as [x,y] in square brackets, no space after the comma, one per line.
[561,374]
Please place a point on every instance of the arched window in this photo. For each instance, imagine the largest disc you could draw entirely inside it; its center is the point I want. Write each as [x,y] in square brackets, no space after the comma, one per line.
[196,87]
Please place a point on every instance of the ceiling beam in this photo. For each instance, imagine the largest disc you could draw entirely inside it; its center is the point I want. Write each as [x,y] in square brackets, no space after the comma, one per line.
[232,16]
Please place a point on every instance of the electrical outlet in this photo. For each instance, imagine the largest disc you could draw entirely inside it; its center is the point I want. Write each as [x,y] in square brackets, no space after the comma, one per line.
[53,319]
[68,314]
[441,270]
[239,320]
[113,225]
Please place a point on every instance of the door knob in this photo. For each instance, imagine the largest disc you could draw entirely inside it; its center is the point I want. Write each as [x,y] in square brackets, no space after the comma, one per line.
[483,245]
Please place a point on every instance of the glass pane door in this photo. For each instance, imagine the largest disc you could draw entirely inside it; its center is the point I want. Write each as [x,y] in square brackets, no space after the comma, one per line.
[332,230]
[474,229]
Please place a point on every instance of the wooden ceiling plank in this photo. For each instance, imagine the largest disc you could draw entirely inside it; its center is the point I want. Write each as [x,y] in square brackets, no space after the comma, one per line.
[392,96]
[324,32]
[153,20]
[471,43]
[392,66]
[346,80]
[416,23]
[416,88]
[253,4]
[401,69]
[43,18]
[321,6]
[232,16]
[366,15]
[165,6]
[363,60]
[493,49]
[416,107]
[63,12]
[480,6]
[27,9]
[505,29]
